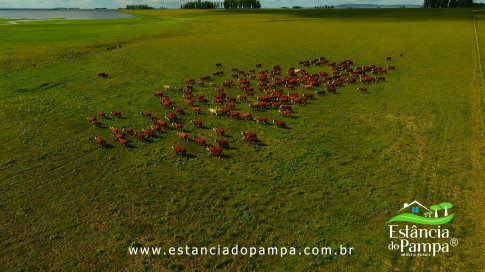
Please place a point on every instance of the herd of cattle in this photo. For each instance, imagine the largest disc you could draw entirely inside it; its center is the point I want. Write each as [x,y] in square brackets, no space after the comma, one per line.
[261,90]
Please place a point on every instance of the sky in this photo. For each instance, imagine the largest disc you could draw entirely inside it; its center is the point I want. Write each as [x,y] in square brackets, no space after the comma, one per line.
[176,3]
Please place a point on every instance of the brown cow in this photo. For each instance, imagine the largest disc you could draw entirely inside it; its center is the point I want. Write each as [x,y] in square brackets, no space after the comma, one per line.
[155,127]
[199,141]
[179,150]
[146,114]
[182,135]
[116,114]
[214,151]
[196,123]
[219,131]
[177,126]
[261,120]
[140,136]
[195,110]
[279,124]
[171,116]
[99,141]
[123,142]
[246,116]
[178,110]
[286,113]
[148,132]
[234,114]
[128,131]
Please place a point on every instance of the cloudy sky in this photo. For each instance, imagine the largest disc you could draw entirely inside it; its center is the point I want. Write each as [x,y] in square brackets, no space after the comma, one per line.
[176,3]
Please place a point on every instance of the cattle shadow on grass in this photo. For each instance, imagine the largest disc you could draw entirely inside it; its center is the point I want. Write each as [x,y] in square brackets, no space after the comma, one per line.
[108,146]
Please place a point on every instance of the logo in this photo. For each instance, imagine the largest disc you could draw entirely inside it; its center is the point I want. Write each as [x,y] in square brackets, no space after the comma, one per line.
[422,215]
[427,240]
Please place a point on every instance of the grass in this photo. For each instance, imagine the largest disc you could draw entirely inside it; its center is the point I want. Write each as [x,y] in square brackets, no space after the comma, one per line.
[345,165]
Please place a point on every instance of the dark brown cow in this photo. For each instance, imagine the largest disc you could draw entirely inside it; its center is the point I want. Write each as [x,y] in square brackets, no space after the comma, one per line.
[116,114]
[222,143]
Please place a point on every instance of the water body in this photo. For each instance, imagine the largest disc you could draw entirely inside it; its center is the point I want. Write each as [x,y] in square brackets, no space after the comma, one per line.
[61,14]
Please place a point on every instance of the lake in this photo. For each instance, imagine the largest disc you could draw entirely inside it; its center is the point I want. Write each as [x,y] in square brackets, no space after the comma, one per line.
[61,14]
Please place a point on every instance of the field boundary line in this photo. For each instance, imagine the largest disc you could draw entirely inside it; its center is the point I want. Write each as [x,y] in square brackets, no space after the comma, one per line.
[480,69]
[477,150]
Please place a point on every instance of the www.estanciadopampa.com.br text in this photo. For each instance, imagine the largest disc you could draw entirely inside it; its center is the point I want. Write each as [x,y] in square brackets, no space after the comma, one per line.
[240,250]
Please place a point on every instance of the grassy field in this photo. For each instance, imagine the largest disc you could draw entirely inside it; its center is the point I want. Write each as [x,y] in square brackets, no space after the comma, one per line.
[340,170]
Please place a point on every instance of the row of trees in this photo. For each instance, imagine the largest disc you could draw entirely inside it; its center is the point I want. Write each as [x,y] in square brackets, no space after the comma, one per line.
[138,7]
[324,7]
[242,4]
[448,3]
[201,5]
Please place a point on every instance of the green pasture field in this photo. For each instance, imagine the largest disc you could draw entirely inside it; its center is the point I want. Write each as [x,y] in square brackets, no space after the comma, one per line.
[343,167]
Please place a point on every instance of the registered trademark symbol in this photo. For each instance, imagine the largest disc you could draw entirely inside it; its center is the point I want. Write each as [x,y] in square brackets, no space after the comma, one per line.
[453,242]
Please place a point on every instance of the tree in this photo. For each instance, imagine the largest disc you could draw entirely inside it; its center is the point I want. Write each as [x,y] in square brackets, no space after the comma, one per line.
[446,206]
[435,208]
[242,4]
[428,214]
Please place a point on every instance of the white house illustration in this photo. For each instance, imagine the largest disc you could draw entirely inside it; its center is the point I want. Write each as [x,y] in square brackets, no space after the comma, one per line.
[414,207]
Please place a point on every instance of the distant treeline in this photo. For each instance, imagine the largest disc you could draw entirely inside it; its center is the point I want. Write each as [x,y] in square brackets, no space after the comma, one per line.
[479,5]
[324,7]
[201,5]
[242,4]
[448,3]
[138,7]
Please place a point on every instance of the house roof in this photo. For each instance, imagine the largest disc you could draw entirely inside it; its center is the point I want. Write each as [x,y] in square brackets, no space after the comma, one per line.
[412,203]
